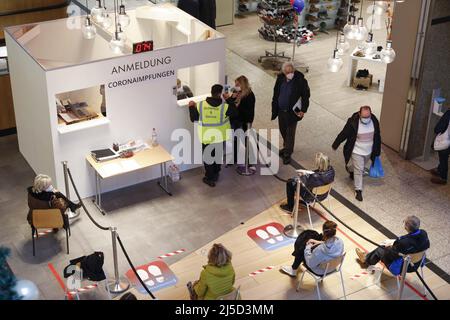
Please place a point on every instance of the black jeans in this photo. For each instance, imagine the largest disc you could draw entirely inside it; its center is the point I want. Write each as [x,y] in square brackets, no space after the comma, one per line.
[287,130]
[212,170]
[443,163]
[300,244]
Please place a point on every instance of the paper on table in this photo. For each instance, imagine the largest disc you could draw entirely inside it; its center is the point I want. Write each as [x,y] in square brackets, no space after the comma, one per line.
[111,168]
[130,165]
[387,242]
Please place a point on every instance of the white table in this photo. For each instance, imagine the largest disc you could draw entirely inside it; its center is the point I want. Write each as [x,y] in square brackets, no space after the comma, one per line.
[353,65]
[140,160]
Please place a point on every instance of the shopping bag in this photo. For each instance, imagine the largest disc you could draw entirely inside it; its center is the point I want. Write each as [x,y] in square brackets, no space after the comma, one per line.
[442,141]
[376,170]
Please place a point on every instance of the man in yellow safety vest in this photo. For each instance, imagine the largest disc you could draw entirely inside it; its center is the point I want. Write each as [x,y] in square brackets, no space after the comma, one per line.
[213,117]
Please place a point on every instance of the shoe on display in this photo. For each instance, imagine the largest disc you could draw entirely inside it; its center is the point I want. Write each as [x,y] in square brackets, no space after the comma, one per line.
[358,195]
[286,208]
[314,1]
[312,27]
[438,180]
[210,183]
[289,271]
[353,9]
[313,9]
[310,17]
[435,172]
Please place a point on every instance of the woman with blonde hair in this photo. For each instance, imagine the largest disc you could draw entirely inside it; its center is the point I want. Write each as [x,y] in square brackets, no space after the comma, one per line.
[217,277]
[323,175]
[245,102]
[42,195]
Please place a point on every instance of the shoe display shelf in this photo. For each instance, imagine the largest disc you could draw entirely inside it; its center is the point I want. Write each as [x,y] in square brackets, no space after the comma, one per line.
[320,15]
[274,14]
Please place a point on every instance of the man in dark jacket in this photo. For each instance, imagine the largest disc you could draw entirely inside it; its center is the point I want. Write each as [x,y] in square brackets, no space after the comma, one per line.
[213,108]
[291,87]
[363,143]
[441,172]
[208,12]
[414,242]
[191,7]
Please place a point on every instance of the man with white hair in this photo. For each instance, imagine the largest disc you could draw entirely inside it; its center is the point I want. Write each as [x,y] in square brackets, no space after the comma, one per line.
[414,242]
[290,102]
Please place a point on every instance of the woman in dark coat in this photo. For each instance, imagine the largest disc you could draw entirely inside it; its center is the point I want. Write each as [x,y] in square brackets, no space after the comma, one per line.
[191,7]
[208,12]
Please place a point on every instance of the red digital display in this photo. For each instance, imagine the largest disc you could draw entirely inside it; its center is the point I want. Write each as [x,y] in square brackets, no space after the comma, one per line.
[143,46]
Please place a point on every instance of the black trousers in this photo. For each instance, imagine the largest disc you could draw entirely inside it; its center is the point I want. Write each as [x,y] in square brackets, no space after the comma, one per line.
[300,244]
[287,130]
[212,169]
[443,163]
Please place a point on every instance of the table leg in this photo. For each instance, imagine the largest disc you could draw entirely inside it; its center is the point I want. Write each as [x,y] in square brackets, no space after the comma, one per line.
[163,179]
[353,65]
[98,197]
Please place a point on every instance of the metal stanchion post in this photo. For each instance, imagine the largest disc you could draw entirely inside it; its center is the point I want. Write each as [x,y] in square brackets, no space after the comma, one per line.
[70,214]
[293,230]
[118,285]
[246,170]
[406,262]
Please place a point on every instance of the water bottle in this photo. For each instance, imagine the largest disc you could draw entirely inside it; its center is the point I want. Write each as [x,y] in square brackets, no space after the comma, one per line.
[154,138]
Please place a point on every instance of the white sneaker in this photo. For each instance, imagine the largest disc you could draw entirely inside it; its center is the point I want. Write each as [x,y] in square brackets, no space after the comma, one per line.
[289,271]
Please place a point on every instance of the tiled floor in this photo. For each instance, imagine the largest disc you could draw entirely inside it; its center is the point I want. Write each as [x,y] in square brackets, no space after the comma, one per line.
[405,189]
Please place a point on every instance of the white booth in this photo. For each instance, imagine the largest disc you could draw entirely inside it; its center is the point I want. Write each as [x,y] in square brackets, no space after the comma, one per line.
[124,95]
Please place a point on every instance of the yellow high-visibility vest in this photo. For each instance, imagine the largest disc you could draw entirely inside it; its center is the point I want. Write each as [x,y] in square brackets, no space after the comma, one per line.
[213,124]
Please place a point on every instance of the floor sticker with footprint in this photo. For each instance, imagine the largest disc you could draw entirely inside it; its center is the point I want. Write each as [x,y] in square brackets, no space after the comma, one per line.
[156,275]
[270,236]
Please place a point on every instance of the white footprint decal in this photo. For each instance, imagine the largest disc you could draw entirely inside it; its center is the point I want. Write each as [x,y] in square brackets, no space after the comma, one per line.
[274,232]
[265,236]
[156,272]
[144,277]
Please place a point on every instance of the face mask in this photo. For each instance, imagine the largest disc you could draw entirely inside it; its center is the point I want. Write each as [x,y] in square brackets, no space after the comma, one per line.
[290,76]
[180,90]
[49,189]
[237,89]
[366,120]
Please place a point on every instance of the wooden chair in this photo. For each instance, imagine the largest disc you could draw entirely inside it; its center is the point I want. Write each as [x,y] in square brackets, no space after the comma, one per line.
[415,258]
[330,267]
[47,219]
[318,191]
[233,295]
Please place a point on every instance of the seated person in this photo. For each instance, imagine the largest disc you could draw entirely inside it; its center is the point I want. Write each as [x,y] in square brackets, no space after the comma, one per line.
[183,92]
[319,252]
[43,191]
[323,175]
[314,249]
[217,277]
[415,241]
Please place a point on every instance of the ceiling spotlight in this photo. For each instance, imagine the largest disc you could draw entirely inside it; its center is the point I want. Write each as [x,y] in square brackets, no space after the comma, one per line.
[343,45]
[124,18]
[349,29]
[116,44]
[369,47]
[361,30]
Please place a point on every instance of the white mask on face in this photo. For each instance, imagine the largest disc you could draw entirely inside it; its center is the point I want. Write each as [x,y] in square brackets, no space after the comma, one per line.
[366,120]
[237,89]
[49,188]
[290,76]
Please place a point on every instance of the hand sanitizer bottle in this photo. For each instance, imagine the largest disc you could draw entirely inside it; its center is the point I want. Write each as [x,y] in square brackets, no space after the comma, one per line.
[154,138]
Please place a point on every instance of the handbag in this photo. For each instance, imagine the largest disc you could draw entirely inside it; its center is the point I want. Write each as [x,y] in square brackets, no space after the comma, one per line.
[376,170]
[442,140]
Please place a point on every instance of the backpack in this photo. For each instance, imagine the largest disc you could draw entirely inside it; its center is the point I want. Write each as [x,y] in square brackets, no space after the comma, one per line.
[92,266]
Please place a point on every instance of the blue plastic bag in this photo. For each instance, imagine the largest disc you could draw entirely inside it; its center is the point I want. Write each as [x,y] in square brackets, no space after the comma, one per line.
[376,170]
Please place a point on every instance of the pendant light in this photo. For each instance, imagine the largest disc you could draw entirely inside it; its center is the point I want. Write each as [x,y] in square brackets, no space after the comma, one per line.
[116,44]
[370,47]
[388,53]
[97,11]
[343,44]
[349,28]
[124,18]
[335,63]
[107,20]
[88,29]
[361,30]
